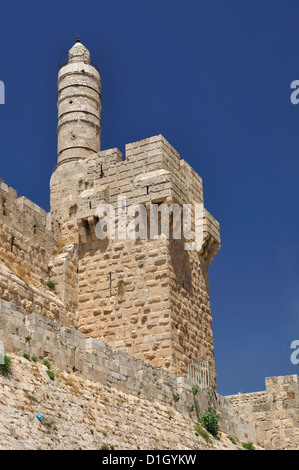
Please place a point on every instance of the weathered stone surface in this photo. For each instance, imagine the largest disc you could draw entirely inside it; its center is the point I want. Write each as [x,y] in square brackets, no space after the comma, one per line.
[81,414]
[123,312]
[274,412]
[69,350]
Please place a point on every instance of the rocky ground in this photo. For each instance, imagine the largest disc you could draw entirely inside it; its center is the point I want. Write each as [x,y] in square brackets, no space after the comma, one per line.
[80,414]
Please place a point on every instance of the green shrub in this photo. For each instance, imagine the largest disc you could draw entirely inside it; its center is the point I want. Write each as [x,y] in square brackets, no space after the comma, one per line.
[190,407]
[248,445]
[51,284]
[200,431]
[5,369]
[195,390]
[106,447]
[47,364]
[209,420]
[50,374]
[34,359]
[234,440]
[176,397]
[26,356]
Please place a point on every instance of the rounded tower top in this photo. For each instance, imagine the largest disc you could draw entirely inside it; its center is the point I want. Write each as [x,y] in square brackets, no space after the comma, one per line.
[79,53]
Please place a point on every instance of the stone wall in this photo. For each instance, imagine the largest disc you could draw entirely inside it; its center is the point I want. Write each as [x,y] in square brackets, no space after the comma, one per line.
[69,350]
[149,297]
[161,313]
[275,412]
[33,298]
[28,234]
[31,256]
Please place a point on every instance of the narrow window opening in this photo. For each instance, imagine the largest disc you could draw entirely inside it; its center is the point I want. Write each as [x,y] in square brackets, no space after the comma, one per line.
[110,283]
[12,242]
[3,206]
[101,171]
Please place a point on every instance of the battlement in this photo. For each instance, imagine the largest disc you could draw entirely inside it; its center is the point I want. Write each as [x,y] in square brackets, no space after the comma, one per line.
[143,159]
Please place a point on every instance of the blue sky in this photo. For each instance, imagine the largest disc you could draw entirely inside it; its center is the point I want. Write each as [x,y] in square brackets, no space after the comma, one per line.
[213,78]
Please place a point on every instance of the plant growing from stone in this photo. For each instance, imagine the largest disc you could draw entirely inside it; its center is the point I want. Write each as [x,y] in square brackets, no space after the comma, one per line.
[190,407]
[200,431]
[51,284]
[209,420]
[47,364]
[195,390]
[248,445]
[234,440]
[51,375]
[5,368]
[176,397]
[106,447]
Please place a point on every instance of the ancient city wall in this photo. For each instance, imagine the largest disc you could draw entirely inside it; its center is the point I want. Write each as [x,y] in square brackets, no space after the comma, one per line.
[68,349]
[32,298]
[274,411]
[27,233]
[30,256]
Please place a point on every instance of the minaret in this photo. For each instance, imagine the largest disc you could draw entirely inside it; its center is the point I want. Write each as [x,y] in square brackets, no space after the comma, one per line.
[79,106]
[79,134]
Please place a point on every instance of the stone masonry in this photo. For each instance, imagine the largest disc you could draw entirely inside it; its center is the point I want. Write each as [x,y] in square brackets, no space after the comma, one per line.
[131,312]
[69,350]
[149,296]
[274,411]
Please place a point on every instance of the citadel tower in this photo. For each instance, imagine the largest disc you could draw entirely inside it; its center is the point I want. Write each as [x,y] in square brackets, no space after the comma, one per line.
[149,297]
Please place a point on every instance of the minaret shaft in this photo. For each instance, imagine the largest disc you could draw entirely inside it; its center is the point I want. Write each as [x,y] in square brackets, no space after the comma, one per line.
[79,107]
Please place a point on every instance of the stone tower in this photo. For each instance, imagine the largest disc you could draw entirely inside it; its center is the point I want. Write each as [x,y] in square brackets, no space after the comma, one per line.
[148,296]
[78,131]
[79,106]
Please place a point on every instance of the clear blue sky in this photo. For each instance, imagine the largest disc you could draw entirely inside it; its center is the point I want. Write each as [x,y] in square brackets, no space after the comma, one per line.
[213,78]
